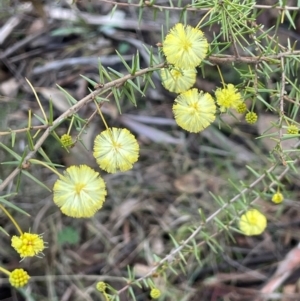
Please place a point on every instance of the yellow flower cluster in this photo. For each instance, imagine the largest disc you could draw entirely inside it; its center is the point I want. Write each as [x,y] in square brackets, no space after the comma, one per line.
[185,47]
[80,192]
[27,245]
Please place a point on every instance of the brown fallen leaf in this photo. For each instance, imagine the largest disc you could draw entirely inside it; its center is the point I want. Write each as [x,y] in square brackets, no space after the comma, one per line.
[190,183]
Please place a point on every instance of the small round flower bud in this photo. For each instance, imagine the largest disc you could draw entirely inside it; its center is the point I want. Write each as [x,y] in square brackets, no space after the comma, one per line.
[251,117]
[241,108]
[18,278]
[155,293]
[292,130]
[101,286]
[66,140]
[277,198]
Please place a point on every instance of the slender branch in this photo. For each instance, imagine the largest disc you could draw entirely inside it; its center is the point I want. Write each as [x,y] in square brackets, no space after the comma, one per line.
[175,252]
[190,8]
[215,59]
[71,111]
[281,100]
[222,58]
[36,127]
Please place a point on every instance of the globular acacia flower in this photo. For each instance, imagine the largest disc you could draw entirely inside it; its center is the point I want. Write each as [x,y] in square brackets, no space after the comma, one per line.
[292,129]
[277,198]
[79,192]
[115,150]
[251,117]
[228,97]
[101,286]
[28,244]
[194,111]
[241,108]
[66,140]
[252,222]
[18,278]
[178,80]
[185,46]
[155,293]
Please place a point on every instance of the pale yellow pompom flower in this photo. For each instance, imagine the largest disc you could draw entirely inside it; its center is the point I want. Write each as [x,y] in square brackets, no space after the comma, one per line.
[28,244]
[228,97]
[185,46]
[178,80]
[115,150]
[252,222]
[80,192]
[194,111]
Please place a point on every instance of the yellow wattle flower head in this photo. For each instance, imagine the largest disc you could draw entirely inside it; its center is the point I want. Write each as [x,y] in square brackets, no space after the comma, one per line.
[28,244]
[66,140]
[277,198]
[115,150]
[194,111]
[185,46]
[251,117]
[241,108]
[18,278]
[228,97]
[178,80]
[292,130]
[253,222]
[155,293]
[80,192]
[101,286]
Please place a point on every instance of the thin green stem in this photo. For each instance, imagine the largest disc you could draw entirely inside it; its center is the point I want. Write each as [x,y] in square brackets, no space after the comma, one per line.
[44,164]
[38,101]
[29,120]
[71,123]
[221,76]
[12,219]
[101,115]
[198,25]
[5,271]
